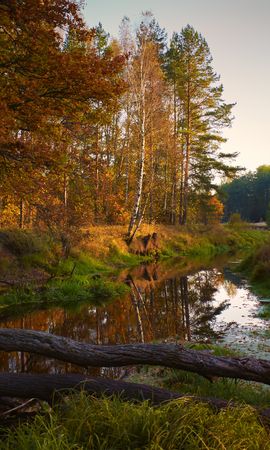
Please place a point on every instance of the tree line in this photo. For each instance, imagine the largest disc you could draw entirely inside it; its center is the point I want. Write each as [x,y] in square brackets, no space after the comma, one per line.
[100,130]
[248,195]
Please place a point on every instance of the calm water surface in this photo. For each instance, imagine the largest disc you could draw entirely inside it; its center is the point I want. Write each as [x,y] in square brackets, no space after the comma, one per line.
[180,302]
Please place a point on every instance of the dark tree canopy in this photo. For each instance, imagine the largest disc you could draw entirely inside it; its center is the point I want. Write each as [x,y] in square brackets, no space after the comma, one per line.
[248,195]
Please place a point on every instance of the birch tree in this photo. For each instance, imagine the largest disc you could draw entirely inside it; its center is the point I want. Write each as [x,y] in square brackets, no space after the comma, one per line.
[146,81]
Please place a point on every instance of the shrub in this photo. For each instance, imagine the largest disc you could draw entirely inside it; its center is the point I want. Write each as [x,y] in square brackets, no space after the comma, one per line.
[23,242]
[236,221]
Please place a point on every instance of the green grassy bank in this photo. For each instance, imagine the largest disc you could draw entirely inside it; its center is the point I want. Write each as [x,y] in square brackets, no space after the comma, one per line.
[257,268]
[34,269]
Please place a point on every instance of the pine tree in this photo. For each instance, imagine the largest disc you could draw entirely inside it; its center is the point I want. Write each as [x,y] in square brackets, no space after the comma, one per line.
[203,114]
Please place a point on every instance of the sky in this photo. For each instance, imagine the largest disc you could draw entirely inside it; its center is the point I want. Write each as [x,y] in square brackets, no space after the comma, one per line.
[238,34]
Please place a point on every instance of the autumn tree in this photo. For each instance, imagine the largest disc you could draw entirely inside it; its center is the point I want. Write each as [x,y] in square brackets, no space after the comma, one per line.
[146,108]
[48,92]
[100,131]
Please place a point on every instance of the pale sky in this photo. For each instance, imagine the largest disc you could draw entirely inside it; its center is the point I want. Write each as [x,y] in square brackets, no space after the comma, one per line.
[238,34]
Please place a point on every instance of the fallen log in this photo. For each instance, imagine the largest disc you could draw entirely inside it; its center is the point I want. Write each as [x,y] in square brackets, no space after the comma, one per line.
[168,355]
[44,386]
[50,387]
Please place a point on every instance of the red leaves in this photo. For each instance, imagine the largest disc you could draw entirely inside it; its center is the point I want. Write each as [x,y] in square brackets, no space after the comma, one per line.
[53,84]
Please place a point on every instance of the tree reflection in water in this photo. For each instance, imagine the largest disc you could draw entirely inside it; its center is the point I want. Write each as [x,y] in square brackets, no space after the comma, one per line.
[170,308]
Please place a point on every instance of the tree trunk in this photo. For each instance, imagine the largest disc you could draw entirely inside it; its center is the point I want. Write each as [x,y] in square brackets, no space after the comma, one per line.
[168,355]
[142,131]
[21,216]
[65,200]
[137,203]
[187,156]
[45,387]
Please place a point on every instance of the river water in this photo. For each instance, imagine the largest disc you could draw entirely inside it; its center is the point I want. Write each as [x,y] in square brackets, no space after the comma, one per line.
[169,302]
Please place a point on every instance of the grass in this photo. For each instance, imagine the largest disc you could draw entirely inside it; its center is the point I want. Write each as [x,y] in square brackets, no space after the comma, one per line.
[78,289]
[257,268]
[80,278]
[24,242]
[121,259]
[82,422]
[192,384]
[85,276]
[203,241]
[264,312]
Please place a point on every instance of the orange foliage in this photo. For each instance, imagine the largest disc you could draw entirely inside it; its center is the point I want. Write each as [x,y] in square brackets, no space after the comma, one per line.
[215,210]
[51,89]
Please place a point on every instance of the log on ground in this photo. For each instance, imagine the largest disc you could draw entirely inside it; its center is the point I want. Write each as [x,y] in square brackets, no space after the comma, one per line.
[49,387]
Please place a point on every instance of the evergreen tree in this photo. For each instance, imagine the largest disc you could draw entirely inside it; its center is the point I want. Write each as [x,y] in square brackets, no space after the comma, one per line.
[202,115]
[248,195]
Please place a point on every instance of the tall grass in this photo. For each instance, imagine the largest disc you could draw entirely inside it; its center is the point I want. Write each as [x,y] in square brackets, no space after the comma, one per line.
[202,241]
[257,268]
[80,278]
[87,423]
[77,290]
[193,384]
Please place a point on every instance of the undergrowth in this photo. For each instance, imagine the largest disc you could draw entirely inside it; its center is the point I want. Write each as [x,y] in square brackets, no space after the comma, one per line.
[193,384]
[204,241]
[257,267]
[80,278]
[24,242]
[83,422]
[62,293]
[85,276]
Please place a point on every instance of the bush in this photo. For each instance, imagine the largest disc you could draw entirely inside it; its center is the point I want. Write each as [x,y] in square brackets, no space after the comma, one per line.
[236,221]
[22,242]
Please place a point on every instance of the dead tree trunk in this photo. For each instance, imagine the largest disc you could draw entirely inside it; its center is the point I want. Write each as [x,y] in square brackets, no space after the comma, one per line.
[48,387]
[168,355]
[44,386]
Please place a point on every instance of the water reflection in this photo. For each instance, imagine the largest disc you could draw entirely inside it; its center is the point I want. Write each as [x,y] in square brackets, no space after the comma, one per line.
[163,304]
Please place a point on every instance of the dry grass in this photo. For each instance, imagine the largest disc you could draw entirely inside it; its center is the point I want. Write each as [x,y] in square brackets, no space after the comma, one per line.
[99,240]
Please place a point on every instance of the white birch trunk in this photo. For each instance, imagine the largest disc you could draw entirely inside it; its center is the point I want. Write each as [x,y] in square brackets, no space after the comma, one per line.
[142,117]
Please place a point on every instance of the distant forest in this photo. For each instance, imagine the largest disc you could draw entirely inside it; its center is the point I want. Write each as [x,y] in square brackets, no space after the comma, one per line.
[100,130]
[249,196]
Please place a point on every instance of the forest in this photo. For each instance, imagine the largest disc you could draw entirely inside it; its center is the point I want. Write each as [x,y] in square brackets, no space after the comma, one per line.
[130,315]
[107,131]
[248,195]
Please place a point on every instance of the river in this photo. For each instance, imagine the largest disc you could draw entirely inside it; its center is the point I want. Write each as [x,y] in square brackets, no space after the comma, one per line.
[169,302]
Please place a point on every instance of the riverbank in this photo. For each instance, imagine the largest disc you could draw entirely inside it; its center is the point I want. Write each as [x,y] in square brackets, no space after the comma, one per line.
[35,269]
[257,268]
[42,276]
